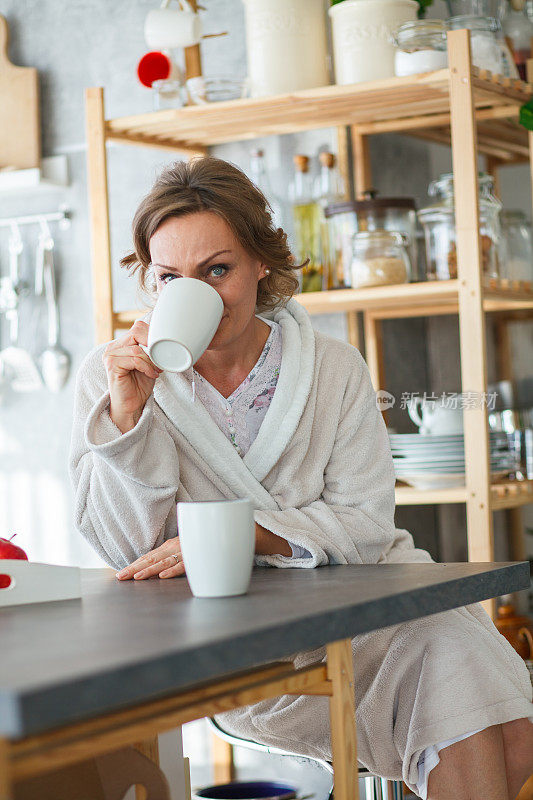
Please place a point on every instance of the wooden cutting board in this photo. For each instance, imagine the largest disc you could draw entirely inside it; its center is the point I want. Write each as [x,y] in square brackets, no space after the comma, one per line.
[32,582]
[20,139]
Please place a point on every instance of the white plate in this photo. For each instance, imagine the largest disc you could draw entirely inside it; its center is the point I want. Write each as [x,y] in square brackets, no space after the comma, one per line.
[442,462]
[431,481]
[430,438]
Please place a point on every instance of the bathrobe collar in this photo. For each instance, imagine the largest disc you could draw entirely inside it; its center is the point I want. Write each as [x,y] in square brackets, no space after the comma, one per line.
[173,394]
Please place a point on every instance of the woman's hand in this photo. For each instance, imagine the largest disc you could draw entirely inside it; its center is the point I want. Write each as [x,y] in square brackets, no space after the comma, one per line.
[162,562]
[131,376]
[270,544]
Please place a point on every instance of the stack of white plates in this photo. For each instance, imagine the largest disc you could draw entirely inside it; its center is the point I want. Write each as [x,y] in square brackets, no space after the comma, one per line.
[430,461]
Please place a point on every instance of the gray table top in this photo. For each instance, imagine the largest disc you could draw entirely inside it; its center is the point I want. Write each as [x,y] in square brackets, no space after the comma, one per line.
[128,642]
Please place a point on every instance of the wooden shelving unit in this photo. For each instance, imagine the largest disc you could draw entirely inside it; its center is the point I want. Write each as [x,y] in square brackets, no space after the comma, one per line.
[503,495]
[426,298]
[473,111]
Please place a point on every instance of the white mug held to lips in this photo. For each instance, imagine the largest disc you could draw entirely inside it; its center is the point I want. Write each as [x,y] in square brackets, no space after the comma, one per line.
[217,540]
[183,323]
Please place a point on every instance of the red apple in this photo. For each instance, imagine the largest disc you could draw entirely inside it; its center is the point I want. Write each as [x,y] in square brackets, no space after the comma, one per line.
[10,550]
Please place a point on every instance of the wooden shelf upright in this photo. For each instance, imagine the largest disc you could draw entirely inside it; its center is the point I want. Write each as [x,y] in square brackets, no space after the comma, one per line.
[475,112]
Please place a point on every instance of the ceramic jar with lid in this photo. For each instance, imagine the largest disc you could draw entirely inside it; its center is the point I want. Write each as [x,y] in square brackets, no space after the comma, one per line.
[286,43]
[438,222]
[421,46]
[517,246]
[362,31]
[380,258]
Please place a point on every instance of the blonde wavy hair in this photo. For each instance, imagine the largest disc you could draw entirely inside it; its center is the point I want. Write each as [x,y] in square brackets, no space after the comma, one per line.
[211,184]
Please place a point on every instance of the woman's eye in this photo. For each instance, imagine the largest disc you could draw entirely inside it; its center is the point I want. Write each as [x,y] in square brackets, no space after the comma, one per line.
[166,277]
[219,270]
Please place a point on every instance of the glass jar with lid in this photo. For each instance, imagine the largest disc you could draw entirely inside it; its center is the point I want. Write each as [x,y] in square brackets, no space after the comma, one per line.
[420,47]
[486,50]
[438,222]
[340,226]
[390,214]
[517,246]
[379,258]
[369,214]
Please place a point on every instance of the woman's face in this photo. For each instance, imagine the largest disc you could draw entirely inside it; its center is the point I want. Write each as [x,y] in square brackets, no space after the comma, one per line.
[202,245]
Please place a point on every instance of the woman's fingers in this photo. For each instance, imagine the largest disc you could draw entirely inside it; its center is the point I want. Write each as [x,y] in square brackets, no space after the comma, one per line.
[139,331]
[155,569]
[126,363]
[141,563]
[162,553]
[173,572]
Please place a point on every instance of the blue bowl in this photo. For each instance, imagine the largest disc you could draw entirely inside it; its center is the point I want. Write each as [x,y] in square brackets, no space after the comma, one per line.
[250,790]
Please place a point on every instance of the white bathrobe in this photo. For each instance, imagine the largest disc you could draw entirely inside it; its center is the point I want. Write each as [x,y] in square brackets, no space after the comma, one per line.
[320,474]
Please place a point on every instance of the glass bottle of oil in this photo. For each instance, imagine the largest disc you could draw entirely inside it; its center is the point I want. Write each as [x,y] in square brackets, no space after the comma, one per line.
[328,189]
[259,176]
[306,218]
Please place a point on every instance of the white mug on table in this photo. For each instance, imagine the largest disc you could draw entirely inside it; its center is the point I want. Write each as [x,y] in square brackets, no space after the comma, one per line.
[217,540]
[183,323]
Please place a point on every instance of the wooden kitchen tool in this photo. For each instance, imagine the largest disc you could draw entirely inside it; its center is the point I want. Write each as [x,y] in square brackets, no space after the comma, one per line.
[517,629]
[32,582]
[20,140]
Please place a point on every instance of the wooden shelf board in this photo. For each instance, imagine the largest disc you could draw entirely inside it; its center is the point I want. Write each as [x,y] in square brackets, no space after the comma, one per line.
[511,494]
[505,140]
[398,301]
[504,494]
[412,98]
[409,496]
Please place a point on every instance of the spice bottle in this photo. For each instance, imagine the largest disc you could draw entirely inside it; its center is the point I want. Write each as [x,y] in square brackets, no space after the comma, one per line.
[328,189]
[518,31]
[259,176]
[306,219]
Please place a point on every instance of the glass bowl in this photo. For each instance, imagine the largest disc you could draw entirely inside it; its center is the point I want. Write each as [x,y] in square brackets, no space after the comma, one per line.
[215,90]
[166,94]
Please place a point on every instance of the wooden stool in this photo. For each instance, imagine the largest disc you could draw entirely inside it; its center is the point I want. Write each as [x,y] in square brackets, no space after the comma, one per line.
[107,777]
[376,788]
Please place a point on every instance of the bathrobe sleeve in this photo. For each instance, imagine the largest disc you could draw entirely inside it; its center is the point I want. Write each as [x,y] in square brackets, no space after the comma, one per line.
[125,485]
[352,521]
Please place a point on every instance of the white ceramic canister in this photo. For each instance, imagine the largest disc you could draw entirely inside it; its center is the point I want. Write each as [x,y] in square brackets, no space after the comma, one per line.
[363,44]
[286,44]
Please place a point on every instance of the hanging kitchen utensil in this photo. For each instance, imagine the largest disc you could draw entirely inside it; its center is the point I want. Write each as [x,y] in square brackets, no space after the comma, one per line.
[44,242]
[54,360]
[16,361]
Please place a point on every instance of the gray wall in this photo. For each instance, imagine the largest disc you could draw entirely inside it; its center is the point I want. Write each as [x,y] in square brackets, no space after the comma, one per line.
[78,44]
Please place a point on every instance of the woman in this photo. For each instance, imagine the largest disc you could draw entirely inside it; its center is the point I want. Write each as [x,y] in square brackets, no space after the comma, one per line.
[288,417]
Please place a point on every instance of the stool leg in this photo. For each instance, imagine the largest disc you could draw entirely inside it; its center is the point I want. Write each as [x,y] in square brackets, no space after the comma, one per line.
[6,787]
[391,790]
[373,788]
[342,720]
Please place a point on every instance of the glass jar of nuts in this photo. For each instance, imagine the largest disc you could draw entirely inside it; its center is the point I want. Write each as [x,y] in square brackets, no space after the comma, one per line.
[438,222]
[380,257]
